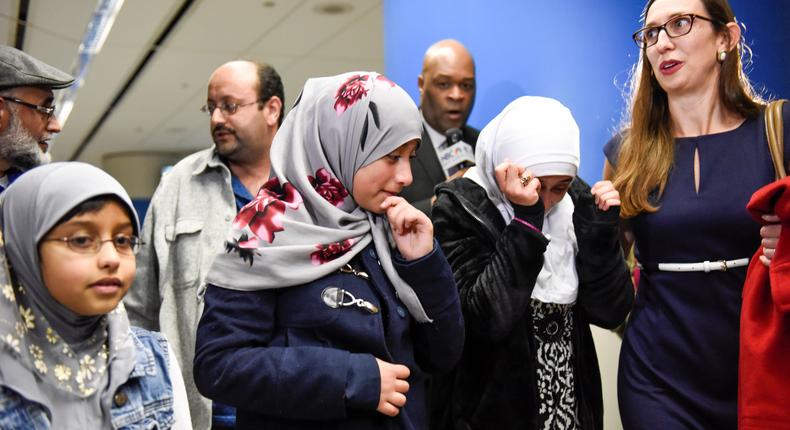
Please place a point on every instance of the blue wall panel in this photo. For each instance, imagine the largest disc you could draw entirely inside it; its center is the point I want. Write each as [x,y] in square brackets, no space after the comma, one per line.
[577,51]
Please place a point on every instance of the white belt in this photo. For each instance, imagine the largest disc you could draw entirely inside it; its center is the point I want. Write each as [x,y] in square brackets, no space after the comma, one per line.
[704,266]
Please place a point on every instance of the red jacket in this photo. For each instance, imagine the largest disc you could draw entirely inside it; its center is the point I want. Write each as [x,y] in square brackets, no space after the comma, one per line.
[764,368]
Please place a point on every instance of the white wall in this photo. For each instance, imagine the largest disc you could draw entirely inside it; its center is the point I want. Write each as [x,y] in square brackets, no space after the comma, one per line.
[607,345]
[139,172]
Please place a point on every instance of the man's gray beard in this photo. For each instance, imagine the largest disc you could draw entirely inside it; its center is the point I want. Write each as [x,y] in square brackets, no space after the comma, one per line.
[19,148]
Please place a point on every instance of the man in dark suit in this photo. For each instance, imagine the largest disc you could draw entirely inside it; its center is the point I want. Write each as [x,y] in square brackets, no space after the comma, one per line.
[447,92]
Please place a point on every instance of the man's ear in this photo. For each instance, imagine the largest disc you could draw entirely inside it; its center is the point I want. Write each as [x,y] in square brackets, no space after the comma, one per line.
[273,110]
[5,115]
[420,83]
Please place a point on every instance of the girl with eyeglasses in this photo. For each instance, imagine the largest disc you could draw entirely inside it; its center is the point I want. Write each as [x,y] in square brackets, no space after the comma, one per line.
[690,155]
[68,357]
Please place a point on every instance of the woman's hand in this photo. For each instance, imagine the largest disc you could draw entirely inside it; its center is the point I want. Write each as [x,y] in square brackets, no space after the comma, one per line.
[770,234]
[393,387]
[605,195]
[412,229]
[517,184]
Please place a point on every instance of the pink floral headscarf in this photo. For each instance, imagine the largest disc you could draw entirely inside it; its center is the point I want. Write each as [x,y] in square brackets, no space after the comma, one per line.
[304,224]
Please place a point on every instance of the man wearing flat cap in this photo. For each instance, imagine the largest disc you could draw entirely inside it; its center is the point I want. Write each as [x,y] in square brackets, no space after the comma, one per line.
[27,120]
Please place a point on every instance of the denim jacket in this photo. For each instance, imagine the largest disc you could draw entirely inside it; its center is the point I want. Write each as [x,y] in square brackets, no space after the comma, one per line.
[145,401]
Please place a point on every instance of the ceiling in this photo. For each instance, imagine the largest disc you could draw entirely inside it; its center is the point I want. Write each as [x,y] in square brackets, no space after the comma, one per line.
[159,111]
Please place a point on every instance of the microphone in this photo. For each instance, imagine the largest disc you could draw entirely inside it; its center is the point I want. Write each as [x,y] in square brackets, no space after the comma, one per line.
[457,154]
[454,135]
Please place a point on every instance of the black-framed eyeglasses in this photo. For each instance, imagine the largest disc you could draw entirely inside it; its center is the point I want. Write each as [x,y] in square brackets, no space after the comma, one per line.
[46,110]
[224,107]
[86,244]
[677,26]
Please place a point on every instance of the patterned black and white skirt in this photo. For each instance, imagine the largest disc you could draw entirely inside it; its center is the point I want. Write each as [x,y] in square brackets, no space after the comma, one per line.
[552,324]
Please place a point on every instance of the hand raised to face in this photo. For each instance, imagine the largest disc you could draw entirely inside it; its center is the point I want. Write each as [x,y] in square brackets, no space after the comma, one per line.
[517,183]
[605,195]
[411,229]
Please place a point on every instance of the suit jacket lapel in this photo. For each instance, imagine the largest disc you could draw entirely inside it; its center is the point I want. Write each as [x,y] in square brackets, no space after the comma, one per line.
[427,159]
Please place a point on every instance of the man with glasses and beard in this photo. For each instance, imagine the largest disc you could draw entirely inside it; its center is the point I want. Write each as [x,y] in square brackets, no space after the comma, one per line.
[192,210]
[27,120]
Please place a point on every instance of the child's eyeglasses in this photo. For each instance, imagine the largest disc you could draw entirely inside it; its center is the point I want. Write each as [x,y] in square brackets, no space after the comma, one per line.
[83,244]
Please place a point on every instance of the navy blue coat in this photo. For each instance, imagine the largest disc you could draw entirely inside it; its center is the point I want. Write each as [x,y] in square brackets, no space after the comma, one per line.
[286,360]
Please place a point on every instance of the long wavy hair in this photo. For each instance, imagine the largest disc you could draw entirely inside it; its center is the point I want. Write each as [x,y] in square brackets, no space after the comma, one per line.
[648,147]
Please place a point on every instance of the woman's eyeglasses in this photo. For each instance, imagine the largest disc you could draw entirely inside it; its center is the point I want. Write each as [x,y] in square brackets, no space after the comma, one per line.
[675,27]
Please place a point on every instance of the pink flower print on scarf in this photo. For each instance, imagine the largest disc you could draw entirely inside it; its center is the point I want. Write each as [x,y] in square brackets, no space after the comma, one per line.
[350,92]
[328,187]
[327,253]
[263,215]
[385,79]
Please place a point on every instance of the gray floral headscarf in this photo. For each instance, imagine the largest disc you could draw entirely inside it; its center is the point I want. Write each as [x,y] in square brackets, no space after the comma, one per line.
[48,353]
[303,224]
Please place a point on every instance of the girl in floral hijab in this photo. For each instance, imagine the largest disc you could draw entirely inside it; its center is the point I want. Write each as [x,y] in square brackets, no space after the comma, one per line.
[68,358]
[332,300]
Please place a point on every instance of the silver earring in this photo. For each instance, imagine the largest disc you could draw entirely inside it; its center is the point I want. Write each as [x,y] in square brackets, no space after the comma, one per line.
[721,56]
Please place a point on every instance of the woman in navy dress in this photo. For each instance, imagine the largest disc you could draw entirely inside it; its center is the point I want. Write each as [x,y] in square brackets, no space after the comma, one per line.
[686,164]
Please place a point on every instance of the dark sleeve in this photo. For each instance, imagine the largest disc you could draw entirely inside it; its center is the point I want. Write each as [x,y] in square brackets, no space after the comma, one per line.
[437,345]
[495,283]
[612,149]
[236,365]
[605,288]
[471,135]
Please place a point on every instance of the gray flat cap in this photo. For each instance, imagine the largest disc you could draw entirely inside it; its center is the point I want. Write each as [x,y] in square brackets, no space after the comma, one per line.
[18,69]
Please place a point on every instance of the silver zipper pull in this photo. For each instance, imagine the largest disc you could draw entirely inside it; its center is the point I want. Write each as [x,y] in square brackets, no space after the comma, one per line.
[335,297]
[366,305]
[348,269]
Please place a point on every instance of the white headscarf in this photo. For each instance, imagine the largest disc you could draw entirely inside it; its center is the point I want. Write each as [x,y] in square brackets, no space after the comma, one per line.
[541,135]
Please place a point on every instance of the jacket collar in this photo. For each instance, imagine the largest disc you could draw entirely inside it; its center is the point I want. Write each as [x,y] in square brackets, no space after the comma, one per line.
[209,160]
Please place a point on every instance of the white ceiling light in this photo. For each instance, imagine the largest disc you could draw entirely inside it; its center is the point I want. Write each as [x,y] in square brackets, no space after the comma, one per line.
[95,35]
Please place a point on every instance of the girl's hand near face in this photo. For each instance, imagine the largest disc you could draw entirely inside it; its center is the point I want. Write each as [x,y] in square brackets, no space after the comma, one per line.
[605,195]
[412,229]
[393,387]
[517,184]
